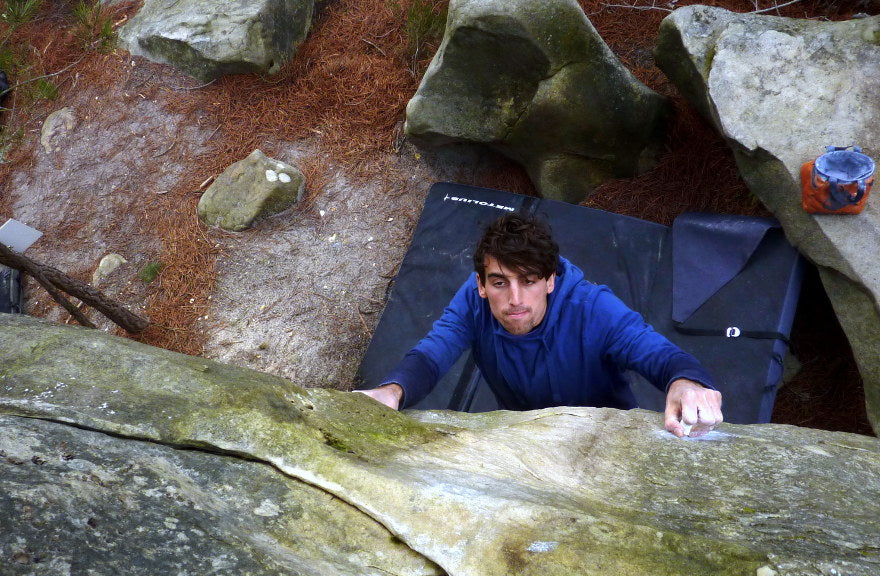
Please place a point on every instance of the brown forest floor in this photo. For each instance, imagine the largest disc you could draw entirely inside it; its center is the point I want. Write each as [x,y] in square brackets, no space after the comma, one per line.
[349,82]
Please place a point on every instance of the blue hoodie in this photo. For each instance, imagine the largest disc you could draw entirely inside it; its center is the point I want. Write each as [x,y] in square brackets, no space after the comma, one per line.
[575,357]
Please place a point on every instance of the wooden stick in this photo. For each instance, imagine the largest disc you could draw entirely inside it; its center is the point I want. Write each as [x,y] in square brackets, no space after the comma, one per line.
[48,276]
[57,296]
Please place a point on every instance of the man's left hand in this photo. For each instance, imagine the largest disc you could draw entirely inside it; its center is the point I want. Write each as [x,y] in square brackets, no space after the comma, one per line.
[690,404]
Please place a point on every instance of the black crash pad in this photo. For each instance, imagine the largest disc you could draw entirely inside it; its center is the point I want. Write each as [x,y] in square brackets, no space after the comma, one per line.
[723,288]
[10,290]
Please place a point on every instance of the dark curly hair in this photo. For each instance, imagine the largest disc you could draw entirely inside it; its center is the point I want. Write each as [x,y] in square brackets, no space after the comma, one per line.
[519,242]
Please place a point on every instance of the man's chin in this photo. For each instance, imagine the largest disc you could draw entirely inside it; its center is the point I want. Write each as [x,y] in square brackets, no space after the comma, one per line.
[517,329]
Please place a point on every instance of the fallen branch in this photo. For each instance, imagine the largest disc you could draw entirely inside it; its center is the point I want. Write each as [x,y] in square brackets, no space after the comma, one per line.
[774,7]
[54,281]
[58,297]
[374,46]
[363,322]
[44,76]
[653,6]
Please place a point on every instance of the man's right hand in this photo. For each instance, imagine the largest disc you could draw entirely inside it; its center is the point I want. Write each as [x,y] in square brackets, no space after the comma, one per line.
[389,395]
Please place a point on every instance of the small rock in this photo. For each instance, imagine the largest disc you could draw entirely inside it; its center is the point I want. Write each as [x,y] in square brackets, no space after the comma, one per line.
[252,188]
[56,127]
[107,266]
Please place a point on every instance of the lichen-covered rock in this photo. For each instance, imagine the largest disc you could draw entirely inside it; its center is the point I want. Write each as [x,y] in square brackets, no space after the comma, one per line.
[552,492]
[56,127]
[82,502]
[780,90]
[533,79]
[252,188]
[208,40]
[107,266]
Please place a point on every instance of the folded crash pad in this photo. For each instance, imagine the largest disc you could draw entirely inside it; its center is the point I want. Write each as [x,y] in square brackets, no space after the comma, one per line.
[10,290]
[724,288]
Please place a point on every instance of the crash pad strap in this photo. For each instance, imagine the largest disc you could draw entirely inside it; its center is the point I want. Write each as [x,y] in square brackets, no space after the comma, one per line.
[731,332]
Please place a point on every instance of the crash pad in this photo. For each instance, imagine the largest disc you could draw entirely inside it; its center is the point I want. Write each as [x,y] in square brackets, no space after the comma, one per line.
[10,290]
[722,287]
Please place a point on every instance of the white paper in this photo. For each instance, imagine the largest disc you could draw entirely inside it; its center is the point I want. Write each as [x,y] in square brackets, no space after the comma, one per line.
[18,236]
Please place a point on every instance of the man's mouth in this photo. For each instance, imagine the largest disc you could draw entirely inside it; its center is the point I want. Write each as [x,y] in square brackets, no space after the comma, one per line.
[517,312]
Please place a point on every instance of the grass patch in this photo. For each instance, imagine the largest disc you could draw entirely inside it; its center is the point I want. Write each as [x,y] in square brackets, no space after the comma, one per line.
[9,59]
[9,139]
[150,272]
[18,12]
[424,22]
[45,89]
[94,24]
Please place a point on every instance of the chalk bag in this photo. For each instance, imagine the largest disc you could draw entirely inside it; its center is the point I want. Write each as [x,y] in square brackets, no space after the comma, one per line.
[837,182]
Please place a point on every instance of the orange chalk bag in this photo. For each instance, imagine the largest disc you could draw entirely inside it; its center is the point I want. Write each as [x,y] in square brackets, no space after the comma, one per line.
[837,182]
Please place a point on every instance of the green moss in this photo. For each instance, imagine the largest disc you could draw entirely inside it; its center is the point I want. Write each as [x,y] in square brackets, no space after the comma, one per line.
[608,539]
[150,271]
[180,54]
[710,57]
[335,442]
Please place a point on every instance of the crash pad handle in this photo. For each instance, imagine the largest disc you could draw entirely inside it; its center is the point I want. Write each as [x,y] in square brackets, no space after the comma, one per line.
[731,332]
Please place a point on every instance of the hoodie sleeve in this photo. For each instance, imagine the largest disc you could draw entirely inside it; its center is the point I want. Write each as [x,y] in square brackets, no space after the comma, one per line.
[633,344]
[454,332]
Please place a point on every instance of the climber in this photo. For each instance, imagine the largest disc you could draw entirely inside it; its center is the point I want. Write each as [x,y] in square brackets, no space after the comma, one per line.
[542,335]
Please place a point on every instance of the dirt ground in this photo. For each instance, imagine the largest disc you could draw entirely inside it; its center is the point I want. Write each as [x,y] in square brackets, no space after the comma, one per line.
[300,294]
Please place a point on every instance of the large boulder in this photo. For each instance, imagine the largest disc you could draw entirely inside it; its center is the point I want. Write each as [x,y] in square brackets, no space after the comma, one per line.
[157,461]
[533,79]
[252,188]
[78,501]
[208,40]
[780,90]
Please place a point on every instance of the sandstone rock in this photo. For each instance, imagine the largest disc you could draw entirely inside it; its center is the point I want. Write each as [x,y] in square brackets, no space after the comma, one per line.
[254,187]
[534,80]
[106,267]
[55,128]
[813,84]
[78,501]
[555,491]
[226,37]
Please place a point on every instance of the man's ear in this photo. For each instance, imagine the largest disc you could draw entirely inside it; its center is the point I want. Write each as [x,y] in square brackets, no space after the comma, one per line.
[480,288]
[551,283]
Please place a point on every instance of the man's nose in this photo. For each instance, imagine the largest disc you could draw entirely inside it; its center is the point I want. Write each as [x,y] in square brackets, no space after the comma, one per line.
[515,294]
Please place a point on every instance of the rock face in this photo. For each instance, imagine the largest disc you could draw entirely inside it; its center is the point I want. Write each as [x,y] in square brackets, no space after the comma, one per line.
[814,84]
[76,502]
[116,454]
[533,79]
[226,37]
[252,188]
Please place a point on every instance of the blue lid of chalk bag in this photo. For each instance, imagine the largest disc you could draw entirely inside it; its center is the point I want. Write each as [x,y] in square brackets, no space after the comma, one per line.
[844,165]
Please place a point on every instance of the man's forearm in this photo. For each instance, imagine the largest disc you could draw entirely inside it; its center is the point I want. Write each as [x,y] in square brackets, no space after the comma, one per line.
[415,376]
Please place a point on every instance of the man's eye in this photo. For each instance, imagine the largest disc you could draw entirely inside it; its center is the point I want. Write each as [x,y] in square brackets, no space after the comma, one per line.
[498,284]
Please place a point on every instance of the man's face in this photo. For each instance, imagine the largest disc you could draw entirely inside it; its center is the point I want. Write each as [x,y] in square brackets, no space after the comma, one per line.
[517,301]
